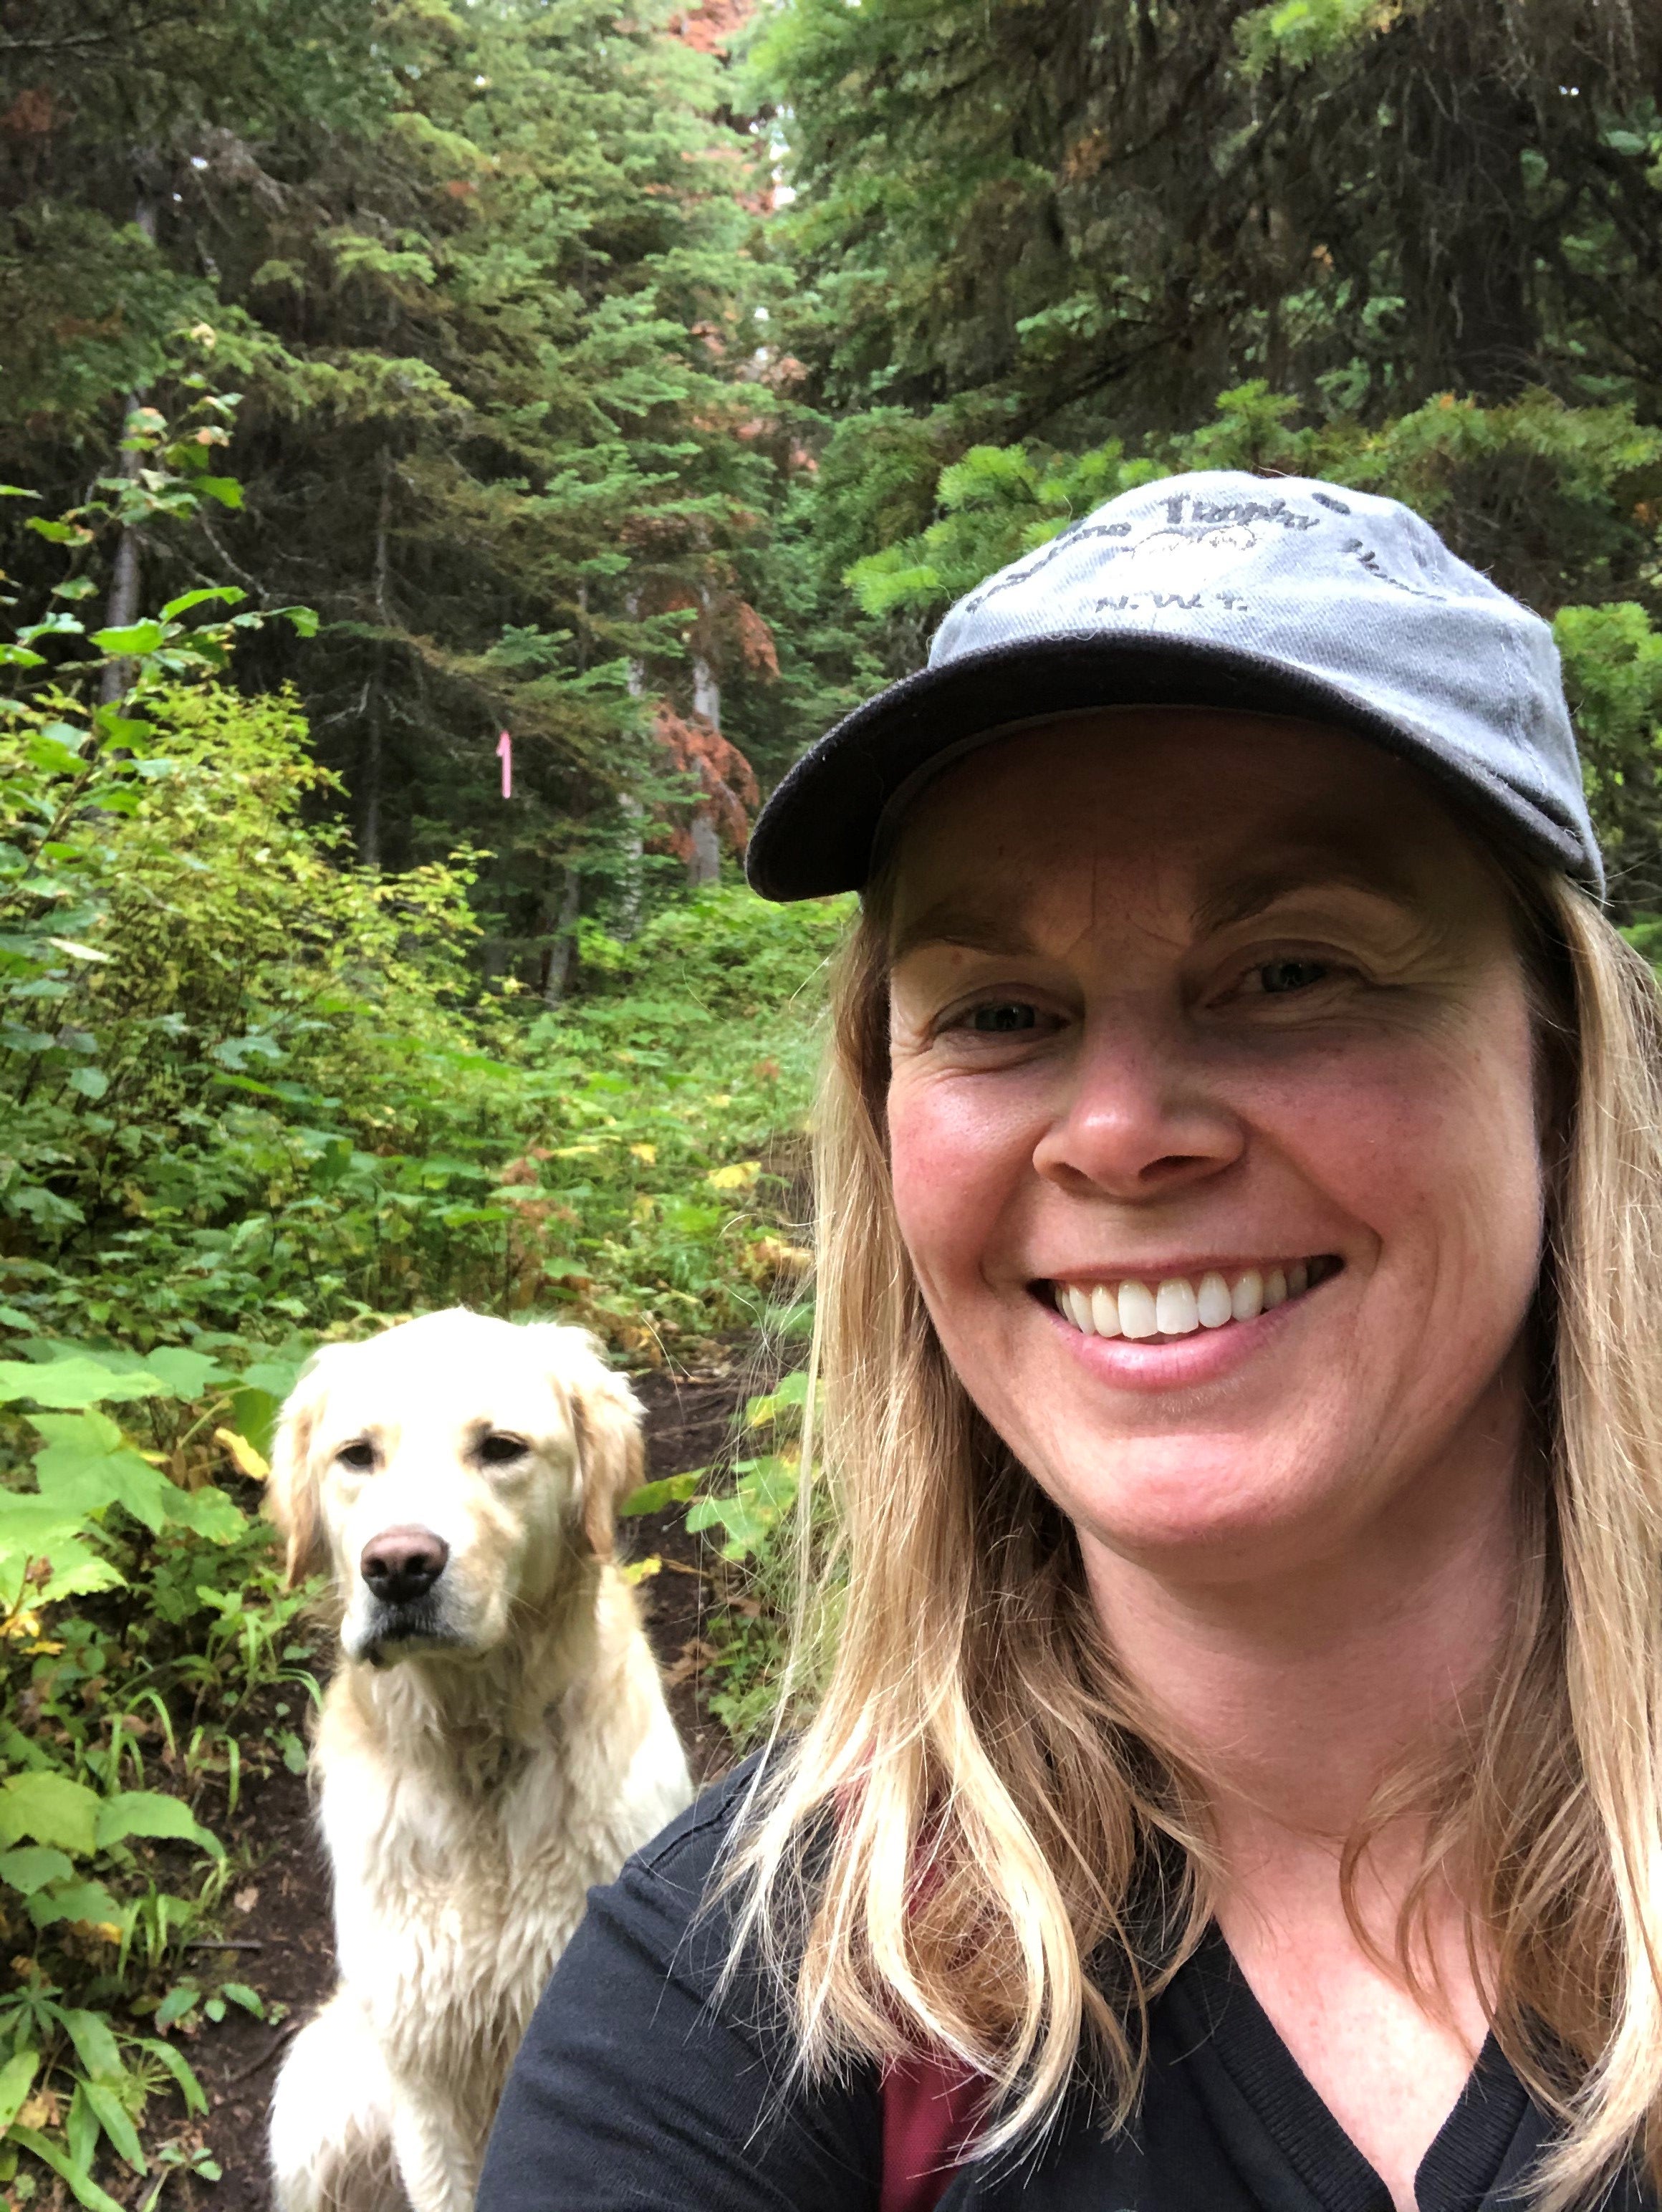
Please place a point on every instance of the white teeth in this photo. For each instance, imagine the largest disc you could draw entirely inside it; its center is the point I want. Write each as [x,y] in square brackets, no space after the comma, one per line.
[1176,1307]
[1137,1317]
[1214,1304]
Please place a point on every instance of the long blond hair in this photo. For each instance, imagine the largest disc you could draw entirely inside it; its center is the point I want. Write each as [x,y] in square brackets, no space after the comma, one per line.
[978,1842]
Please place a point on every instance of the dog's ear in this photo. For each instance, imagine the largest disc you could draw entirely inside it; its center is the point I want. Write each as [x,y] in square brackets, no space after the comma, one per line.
[292,1502]
[611,1458]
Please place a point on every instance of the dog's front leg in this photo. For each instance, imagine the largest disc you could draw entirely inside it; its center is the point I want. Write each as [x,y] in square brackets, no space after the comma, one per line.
[438,2162]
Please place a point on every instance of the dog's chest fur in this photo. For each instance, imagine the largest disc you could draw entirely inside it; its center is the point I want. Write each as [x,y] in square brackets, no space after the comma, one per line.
[465,1828]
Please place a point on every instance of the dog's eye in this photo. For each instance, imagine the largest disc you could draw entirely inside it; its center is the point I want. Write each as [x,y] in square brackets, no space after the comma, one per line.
[498,1449]
[360,1456]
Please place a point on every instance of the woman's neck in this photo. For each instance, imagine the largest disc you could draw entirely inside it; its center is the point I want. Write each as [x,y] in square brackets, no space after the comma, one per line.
[1295,1690]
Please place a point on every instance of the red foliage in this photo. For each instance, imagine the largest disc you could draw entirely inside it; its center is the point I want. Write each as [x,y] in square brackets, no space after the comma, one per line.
[727,779]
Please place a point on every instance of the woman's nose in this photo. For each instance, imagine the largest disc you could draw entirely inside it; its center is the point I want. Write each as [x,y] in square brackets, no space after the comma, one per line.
[1141,1116]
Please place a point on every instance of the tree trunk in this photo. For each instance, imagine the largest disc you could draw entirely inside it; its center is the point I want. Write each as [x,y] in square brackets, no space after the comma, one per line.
[562,942]
[121,610]
[704,861]
[371,765]
[631,875]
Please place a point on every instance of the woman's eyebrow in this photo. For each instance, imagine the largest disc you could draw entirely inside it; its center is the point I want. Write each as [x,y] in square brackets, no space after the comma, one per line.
[1248,896]
[962,922]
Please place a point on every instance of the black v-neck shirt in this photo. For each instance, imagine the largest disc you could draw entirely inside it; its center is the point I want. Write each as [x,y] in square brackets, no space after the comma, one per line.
[642,2086]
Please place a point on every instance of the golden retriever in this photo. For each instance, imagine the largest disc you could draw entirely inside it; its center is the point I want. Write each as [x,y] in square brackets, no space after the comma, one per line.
[494,1741]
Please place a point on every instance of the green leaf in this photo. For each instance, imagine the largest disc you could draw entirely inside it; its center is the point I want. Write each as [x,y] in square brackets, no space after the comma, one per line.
[49,1808]
[80,1382]
[183,1998]
[187,1373]
[189,2087]
[149,1812]
[117,2122]
[668,1489]
[90,1082]
[82,1900]
[17,491]
[85,2190]
[32,1866]
[240,1994]
[133,639]
[16,2079]
[304,619]
[226,490]
[95,2045]
[232,594]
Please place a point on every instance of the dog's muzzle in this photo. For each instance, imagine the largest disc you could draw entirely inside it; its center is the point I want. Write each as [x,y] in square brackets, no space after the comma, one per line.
[402,1569]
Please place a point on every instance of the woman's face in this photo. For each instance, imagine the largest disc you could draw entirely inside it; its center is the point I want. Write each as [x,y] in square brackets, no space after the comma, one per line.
[1190,1009]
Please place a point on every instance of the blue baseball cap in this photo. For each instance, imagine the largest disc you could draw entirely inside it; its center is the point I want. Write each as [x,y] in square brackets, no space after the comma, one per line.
[1269,596]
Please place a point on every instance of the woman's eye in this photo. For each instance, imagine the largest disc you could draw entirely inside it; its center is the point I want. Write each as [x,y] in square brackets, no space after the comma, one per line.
[1279,976]
[1000,1017]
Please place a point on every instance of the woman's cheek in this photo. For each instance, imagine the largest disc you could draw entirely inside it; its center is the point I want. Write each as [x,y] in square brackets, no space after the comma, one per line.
[957,1157]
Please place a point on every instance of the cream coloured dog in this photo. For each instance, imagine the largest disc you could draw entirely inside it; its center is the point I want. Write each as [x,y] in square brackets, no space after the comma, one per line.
[494,1741]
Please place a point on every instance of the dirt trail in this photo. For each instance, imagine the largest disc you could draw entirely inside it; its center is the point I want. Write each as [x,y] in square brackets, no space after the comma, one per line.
[283,1940]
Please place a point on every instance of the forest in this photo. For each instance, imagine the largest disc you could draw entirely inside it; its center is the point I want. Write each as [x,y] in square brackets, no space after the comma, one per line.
[454,455]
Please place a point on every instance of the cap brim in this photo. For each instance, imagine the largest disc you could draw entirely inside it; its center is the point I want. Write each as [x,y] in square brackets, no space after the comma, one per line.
[817,832]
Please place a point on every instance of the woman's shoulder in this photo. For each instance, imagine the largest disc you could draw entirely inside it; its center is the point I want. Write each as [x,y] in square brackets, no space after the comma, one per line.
[658,2071]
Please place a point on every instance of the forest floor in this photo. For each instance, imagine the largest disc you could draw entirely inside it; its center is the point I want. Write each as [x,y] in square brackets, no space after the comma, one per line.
[280,1922]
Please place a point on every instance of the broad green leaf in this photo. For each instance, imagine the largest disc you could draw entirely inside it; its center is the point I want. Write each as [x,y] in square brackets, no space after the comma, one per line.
[16,2079]
[87,1466]
[131,640]
[82,1900]
[226,490]
[78,1382]
[117,2122]
[304,619]
[81,2184]
[231,594]
[32,1866]
[668,1489]
[49,1808]
[94,2045]
[240,1994]
[149,1812]
[183,1998]
[186,1373]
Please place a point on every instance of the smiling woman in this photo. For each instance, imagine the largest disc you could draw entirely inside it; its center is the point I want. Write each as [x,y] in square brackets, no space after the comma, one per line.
[1239,1781]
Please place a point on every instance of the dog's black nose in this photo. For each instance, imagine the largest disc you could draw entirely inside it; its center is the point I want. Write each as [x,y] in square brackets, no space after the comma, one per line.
[402,1564]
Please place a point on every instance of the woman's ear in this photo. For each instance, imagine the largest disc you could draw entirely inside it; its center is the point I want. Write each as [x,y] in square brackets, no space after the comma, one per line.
[611,1457]
[292,1501]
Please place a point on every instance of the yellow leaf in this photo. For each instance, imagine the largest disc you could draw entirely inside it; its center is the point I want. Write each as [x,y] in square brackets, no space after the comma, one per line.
[247,1460]
[644,1205]
[647,1152]
[739,1176]
[719,1099]
[22,1622]
[637,1570]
